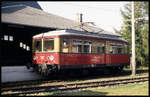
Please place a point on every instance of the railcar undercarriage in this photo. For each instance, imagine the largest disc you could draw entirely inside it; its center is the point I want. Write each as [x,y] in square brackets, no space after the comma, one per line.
[49,69]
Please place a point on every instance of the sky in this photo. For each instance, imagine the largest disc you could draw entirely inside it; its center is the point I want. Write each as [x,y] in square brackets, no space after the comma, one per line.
[105,15]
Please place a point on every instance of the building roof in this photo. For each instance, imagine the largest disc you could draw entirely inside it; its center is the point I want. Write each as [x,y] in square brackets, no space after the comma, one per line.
[26,15]
[33,4]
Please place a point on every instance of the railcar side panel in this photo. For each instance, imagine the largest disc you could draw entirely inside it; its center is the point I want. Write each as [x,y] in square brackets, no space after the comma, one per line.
[79,59]
[82,59]
[117,59]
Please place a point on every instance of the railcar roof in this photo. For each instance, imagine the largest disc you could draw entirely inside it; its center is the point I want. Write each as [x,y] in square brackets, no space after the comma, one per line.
[68,32]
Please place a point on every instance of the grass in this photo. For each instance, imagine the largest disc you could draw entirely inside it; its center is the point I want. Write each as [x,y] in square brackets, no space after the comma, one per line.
[134,89]
[130,89]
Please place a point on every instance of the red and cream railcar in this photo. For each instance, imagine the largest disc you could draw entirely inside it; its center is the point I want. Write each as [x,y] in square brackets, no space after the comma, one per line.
[70,49]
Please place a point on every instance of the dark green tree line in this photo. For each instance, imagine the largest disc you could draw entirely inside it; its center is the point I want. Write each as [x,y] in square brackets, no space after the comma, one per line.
[141,12]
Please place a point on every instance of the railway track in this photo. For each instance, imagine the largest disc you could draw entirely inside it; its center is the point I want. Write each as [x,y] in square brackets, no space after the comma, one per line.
[66,87]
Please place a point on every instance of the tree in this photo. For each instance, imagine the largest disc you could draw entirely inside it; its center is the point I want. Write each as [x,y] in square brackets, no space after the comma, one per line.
[141,30]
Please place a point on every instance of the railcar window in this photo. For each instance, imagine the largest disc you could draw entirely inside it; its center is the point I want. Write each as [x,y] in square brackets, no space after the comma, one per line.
[113,50]
[87,46]
[77,46]
[86,49]
[65,45]
[101,50]
[119,50]
[126,49]
[110,50]
[48,45]
[65,42]
[116,48]
[38,46]
[77,42]
[98,47]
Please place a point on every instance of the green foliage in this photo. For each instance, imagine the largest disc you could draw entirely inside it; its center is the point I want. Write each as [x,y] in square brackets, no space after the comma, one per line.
[141,30]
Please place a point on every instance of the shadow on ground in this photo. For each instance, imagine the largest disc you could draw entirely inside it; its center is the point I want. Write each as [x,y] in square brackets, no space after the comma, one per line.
[94,75]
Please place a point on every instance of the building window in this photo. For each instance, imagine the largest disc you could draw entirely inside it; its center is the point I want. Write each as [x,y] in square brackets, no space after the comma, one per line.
[1,38]
[24,46]
[5,37]
[10,38]
[21,44]
[28,48]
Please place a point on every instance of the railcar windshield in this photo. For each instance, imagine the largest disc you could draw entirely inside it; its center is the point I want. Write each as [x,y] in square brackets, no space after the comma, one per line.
[48,45]
[43,45]
[37,45]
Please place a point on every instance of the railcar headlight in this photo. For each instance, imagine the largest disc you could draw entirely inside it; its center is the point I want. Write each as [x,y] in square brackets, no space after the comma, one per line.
[35,57]
[51,58]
